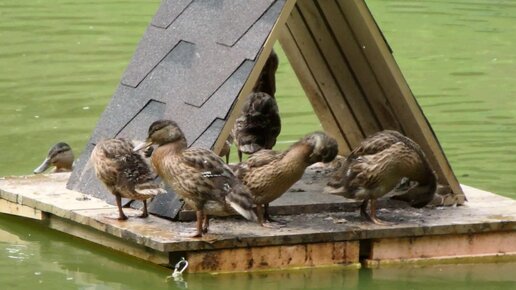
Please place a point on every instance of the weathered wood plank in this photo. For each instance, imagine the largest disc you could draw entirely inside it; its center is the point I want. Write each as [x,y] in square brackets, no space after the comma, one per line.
[338,67]
[107,240]
[444,246]
[312,90]
[275,257]
[341,110]
[405,106]
[13,208]
[358,64]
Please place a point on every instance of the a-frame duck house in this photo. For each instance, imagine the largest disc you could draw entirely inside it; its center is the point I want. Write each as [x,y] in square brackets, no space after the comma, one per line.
[199,59]
[195,63]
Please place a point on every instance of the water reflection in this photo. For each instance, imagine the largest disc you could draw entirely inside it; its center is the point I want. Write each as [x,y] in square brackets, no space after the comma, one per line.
[32,257]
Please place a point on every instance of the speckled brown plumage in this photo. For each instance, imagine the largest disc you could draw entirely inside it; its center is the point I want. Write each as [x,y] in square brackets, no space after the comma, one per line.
[198,175]
[258,126]
[124,172]
[385,164]
[268,174]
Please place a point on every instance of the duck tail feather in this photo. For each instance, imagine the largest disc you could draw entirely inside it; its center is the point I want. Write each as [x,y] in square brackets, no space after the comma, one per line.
[149,189]
[241,201]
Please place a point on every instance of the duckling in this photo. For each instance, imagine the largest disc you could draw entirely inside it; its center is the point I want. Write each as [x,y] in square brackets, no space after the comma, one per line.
[258,126]
[124,172]
[385,164]
[198,175]
[268,174]
[60,156]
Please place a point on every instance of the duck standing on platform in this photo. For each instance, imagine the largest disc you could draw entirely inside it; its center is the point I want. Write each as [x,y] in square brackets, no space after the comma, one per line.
[198,175]
[386,164]
[60,156]
[268,174]
[258,126]
[124,172]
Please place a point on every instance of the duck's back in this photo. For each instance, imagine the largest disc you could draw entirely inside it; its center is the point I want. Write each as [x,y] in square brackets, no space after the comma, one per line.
[121,169]
[374,149]
[267,175]
[259,125]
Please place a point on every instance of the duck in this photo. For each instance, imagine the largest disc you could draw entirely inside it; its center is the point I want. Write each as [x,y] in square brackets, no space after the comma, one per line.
[258,126]
[268,173]
[386,164]
[124,172]
[198,175]
[266,84]
[60,156]
[267,80]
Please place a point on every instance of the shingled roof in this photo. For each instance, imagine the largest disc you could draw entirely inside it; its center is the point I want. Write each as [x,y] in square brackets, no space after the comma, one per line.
[198,59]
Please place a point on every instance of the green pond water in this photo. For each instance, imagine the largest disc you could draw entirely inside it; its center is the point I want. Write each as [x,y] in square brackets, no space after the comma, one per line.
[61,60]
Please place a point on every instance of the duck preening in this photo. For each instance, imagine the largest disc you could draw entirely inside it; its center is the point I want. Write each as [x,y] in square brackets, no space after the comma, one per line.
[386,164]
[124,172]
[268,174]
[60,156]
[267,80]
[198,175]
[258,125]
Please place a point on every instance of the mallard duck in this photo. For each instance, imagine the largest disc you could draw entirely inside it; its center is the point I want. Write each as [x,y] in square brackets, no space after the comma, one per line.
[266,83]
[268,174]
[60,156]
[385,164]
[124,172]
[198,175]
[258,126]
[267,80]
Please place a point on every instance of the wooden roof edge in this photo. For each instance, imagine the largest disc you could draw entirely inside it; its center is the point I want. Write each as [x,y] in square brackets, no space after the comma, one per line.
[253,76]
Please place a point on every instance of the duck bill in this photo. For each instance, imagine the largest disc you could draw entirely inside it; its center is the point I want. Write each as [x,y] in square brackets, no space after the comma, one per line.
[44,166]
[143,145]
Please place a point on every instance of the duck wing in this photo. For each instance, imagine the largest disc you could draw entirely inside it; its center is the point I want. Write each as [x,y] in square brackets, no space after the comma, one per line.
[377,143]
[218,182]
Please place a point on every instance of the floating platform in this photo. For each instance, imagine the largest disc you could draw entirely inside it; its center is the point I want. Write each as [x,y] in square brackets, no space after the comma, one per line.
[330,232]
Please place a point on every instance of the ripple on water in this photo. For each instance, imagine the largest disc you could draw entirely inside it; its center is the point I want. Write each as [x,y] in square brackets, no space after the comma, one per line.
[17,252]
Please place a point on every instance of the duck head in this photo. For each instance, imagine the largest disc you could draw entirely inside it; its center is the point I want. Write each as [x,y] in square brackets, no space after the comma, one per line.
[325,148]
[163,132]
[59,156]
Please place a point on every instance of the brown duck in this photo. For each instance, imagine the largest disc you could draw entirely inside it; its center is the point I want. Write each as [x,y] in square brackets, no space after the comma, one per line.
[60,156]
[267,80]
[268,174]
[198,175]
[258,125]
[385,164]
[262,109]
[124,173]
